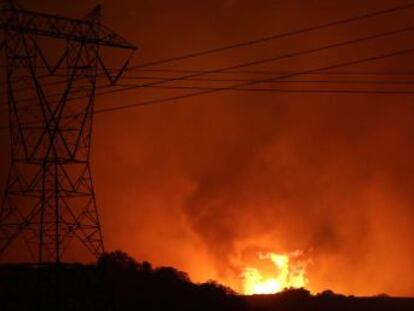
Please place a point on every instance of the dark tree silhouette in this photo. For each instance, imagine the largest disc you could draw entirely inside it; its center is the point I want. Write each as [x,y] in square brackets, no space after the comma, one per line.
[117,260]
[117,282]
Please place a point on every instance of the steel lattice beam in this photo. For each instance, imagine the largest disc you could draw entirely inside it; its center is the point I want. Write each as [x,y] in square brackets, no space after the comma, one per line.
[85,31]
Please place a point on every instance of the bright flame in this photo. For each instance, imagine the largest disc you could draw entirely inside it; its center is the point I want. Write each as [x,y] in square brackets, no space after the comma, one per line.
[287,275]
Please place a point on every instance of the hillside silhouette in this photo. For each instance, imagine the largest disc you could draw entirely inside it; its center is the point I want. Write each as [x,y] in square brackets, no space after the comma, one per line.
[119,282]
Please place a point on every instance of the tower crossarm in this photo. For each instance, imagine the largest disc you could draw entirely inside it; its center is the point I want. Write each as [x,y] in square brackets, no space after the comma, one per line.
[78,30]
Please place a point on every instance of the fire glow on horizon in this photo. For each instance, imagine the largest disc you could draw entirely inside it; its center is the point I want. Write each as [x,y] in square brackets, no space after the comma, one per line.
[288,274]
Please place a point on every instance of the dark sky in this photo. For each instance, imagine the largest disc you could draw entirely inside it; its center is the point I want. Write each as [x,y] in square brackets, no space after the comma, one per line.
[199,183]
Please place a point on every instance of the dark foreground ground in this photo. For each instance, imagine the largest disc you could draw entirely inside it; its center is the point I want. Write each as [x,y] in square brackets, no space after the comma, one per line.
[117,282]
[291,300]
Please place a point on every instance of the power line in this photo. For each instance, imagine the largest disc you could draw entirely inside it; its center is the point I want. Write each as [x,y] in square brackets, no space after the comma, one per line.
[289,55]
[278,90]
[276,36]
[283,57]
[294,54]
[269,72]
[323,68]
[401,52]
[270,90]
[333,81]
[214,80]
[245,84]
[261,72]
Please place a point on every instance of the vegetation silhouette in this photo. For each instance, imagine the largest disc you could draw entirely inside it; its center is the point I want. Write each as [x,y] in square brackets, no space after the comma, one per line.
[117,282]
[136,285]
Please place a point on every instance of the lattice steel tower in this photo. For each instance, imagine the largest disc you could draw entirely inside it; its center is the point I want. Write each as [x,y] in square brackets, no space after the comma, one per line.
[49,198]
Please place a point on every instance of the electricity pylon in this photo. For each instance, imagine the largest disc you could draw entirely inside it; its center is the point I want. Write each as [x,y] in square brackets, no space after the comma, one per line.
[49,197]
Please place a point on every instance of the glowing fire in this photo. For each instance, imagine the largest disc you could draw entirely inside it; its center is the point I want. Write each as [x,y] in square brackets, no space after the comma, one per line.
[287,275]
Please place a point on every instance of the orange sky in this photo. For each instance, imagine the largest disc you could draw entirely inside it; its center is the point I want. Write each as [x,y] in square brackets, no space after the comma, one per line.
[201,183]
